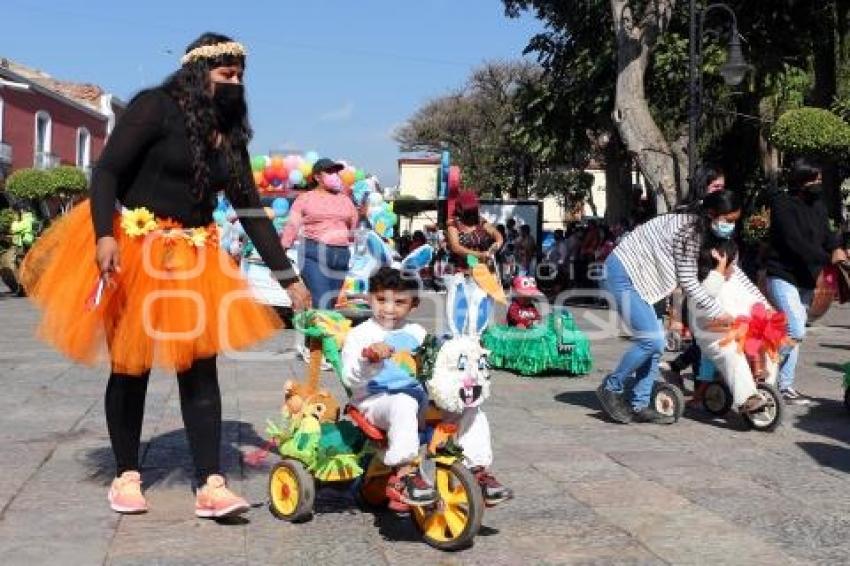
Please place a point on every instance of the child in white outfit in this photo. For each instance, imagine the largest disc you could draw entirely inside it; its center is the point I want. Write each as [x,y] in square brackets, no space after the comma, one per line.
[379,367]
[736,300]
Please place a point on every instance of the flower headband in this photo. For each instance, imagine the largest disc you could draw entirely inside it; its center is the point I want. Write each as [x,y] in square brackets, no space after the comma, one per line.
[232,48]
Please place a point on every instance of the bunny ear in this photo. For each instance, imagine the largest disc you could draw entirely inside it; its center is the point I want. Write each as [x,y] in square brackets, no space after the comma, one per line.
[418,258]
[457,305]
[481,307]
[378,249]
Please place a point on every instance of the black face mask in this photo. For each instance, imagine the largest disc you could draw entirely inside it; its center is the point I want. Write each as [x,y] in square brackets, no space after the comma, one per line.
[469,218]
[230,107]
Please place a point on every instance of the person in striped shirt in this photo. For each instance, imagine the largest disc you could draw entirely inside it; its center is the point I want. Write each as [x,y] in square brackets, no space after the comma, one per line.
[645,268]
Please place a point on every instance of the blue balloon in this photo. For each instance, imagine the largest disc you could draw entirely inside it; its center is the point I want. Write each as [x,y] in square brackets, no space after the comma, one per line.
[359,191]
[276,182]
[296,177]
[280,206]
[311,157]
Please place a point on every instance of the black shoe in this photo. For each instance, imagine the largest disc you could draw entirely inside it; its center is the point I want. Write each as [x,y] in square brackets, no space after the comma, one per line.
[650,415]
[613,404]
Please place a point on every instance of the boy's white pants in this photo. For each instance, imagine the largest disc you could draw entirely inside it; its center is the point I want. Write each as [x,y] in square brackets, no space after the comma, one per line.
[736,300]
[473,435]
[398,414]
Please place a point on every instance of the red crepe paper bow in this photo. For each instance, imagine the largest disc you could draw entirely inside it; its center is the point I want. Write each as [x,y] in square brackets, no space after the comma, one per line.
[763,332]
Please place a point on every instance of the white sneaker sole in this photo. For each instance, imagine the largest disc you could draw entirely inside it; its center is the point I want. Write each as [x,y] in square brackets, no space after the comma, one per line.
[232,511]
[126,510]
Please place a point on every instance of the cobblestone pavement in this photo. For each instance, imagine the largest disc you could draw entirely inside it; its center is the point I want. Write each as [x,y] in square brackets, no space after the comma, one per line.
[587,491]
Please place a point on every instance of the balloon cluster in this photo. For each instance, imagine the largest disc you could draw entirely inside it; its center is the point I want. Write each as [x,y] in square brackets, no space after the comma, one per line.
[232,237]
[281,172]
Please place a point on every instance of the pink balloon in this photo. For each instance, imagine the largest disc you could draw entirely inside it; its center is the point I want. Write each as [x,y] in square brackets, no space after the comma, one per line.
[291,162]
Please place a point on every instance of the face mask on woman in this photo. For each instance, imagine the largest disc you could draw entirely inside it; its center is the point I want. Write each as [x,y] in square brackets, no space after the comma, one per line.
[229,100]
[331,181]
[470,218]
[723,229]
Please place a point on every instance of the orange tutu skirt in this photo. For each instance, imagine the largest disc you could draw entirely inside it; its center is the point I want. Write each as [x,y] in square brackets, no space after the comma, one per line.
[176,298]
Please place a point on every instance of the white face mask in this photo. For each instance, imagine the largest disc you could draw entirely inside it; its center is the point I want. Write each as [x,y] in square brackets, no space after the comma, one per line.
[723,229]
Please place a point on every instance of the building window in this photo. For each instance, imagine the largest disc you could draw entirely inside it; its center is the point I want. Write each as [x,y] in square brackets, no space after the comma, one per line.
[43,139]
[83,148]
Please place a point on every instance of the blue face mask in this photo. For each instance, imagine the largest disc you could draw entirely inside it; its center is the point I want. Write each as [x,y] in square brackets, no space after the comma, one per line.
[723,229]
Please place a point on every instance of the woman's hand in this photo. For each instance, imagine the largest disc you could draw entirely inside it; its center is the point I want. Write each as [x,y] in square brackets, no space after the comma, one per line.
[107,255]
[299,295]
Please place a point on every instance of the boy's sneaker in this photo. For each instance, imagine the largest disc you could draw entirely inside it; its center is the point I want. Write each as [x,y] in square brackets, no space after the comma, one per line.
[613,404]
[125,494]
[793,397]
[215,501]
[409,490]
[494,492]
[650,415]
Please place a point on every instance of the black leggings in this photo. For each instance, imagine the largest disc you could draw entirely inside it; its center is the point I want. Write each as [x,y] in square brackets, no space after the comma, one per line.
[200,403]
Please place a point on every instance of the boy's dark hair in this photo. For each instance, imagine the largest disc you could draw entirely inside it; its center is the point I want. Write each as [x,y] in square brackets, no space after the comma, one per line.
[801,171]
[391,279]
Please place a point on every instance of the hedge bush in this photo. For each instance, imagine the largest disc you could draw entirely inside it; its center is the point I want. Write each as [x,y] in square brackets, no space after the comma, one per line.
[67,180]
[7,216]
[29,184]
[813,132]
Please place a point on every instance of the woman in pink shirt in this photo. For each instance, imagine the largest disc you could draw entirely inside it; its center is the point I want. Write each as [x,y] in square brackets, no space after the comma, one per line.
[327,217]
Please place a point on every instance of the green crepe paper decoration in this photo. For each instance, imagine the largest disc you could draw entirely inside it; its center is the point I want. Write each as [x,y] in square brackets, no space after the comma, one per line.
[305,322]
[471,260]
[426,358]
[558,346]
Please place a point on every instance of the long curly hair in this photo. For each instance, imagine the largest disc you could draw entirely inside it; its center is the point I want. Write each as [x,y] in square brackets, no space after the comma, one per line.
[190,87]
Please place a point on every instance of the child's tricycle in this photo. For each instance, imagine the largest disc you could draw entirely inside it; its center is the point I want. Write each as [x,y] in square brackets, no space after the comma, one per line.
[319,449]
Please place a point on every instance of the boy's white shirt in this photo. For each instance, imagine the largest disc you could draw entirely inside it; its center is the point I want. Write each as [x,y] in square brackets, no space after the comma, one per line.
[356,370]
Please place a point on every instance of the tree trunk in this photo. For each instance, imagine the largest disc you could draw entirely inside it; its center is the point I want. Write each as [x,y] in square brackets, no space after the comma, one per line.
[826,81]
[636,38]
[618,182]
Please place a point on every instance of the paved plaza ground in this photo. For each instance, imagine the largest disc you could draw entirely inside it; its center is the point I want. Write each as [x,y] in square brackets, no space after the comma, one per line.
[703,491]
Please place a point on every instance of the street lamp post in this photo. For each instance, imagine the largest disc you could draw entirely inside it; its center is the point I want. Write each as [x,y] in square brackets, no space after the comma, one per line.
[733,72]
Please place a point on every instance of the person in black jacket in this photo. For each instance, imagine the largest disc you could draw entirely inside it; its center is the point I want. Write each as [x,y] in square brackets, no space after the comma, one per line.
[136,273]
[801,245]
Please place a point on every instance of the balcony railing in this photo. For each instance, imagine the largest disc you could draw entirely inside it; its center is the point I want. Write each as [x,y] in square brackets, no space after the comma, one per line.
[44,160]
[5,153]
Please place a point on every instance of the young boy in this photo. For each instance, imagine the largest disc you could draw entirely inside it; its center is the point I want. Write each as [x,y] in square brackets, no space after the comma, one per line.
[378,365]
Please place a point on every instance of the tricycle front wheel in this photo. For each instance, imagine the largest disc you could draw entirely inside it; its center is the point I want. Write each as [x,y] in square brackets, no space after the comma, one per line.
[292,491]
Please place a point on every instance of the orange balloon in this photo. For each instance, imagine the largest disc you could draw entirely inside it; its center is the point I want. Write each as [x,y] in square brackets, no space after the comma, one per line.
[277,163]
[259,178]
[347,177]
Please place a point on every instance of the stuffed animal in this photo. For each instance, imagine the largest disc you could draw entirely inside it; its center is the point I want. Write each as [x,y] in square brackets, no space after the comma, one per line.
[459,376]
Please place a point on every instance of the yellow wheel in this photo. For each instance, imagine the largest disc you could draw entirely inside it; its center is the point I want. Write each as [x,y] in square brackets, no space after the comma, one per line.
[454,520]
[291,491]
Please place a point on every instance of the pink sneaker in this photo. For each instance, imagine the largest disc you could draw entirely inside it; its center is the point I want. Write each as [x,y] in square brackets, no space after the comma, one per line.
[125,494]
[215,501]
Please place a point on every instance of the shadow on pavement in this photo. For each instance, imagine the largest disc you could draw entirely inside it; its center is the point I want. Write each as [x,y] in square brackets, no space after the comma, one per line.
[830,365]
[828,418]
[828,455]
[586,399]
[166,457]
[837,346]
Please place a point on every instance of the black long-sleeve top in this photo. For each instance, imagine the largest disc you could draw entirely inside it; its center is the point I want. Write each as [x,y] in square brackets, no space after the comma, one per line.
[801,243]
[147,162]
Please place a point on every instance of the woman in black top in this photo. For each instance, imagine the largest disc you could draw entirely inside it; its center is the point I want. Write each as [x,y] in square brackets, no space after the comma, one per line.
[136,274]
[801,245]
